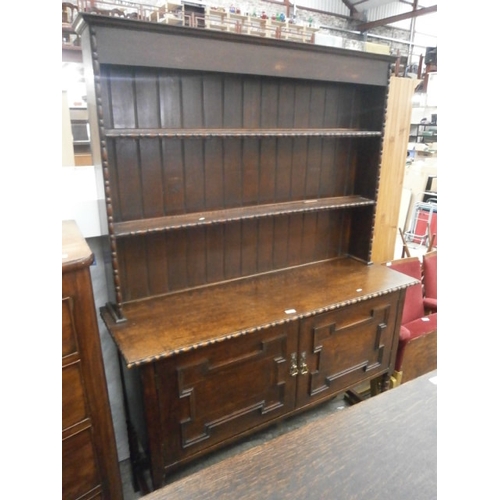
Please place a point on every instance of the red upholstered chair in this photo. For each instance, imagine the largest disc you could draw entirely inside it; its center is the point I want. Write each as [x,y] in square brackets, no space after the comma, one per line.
[429,279]
[417,348]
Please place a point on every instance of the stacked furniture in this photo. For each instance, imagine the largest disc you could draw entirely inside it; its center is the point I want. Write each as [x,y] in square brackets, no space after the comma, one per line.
[89,455]
[240,177]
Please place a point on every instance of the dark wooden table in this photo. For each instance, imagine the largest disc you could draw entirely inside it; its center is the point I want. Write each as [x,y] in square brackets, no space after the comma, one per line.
[382,448]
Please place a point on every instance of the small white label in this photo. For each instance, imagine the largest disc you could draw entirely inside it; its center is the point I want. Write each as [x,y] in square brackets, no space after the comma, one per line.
[290,311]
[359,289]
[201,218]
[425,319]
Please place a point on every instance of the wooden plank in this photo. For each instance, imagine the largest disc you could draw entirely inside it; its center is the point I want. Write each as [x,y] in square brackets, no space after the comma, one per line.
[395,144]
[128,43]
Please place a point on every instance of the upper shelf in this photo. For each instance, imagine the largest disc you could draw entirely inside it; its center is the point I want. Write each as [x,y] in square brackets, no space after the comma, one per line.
[215,132]
[142,226]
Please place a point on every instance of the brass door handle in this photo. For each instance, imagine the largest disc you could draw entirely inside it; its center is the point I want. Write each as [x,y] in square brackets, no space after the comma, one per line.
[303,364]
[294,370]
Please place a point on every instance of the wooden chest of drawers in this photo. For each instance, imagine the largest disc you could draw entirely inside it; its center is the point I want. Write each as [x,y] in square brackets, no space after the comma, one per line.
[89,456]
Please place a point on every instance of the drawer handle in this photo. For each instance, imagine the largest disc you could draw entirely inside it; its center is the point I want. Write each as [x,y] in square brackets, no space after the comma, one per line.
[303,364]
[294,370]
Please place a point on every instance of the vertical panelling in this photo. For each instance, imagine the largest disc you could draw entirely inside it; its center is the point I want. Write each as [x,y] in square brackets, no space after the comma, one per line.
[214,173]
[146,98]
[321,248]
[286,101]
[301,105]
[366,177]
[331,114]
[151,177]
[176,249]
[232,250]
[213,103]
[283,168]
[280,245]
[251,103]
[196,257]
[128,179]
[267,173]
[194,175]
[295,239]
[309,236]
[298,168]
[265,245]
[327,169]
[173,176]
[232,173]
[215,253]
[313,167]
[157,260]
[249,232]
[317,106]
[132,260]
[169,89]
[233,102]
[176,260]
[344,107]
[250,171]
[269,104]
[122,97]
[192,100]
[342,168]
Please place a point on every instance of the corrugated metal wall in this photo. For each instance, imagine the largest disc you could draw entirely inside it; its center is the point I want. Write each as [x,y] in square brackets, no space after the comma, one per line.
[331,6]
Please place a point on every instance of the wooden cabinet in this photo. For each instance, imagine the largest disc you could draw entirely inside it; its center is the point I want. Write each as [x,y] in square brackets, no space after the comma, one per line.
[240,198]
[89,456]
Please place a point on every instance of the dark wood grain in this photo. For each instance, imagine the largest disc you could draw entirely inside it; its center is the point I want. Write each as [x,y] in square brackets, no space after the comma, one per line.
[89,455]
[385,447]
[170,324]
[240,194]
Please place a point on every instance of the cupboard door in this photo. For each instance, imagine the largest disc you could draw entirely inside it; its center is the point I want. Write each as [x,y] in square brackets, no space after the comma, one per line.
[217,392]
[346,346]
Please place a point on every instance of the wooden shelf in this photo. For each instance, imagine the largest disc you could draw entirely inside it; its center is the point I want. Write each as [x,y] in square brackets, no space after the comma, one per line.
[142,226]
[207,133]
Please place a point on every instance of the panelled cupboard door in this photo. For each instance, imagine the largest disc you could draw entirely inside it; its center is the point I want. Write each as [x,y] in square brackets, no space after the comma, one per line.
[340,348]
[222,390]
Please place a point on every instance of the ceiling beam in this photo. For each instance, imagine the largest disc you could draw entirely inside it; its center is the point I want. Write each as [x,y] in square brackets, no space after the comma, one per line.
[350,6]
[399,17]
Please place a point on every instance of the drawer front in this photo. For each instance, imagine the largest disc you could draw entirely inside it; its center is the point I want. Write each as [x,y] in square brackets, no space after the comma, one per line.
[215,393]
[69,345]
[346,346]
[80,473]
[73,398]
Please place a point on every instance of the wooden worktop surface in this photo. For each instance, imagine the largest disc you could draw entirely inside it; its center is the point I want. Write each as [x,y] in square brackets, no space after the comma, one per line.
[163,326]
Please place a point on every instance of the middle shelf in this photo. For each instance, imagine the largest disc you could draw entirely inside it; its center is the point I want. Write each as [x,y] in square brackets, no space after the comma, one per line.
[222,132]
[142,226]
